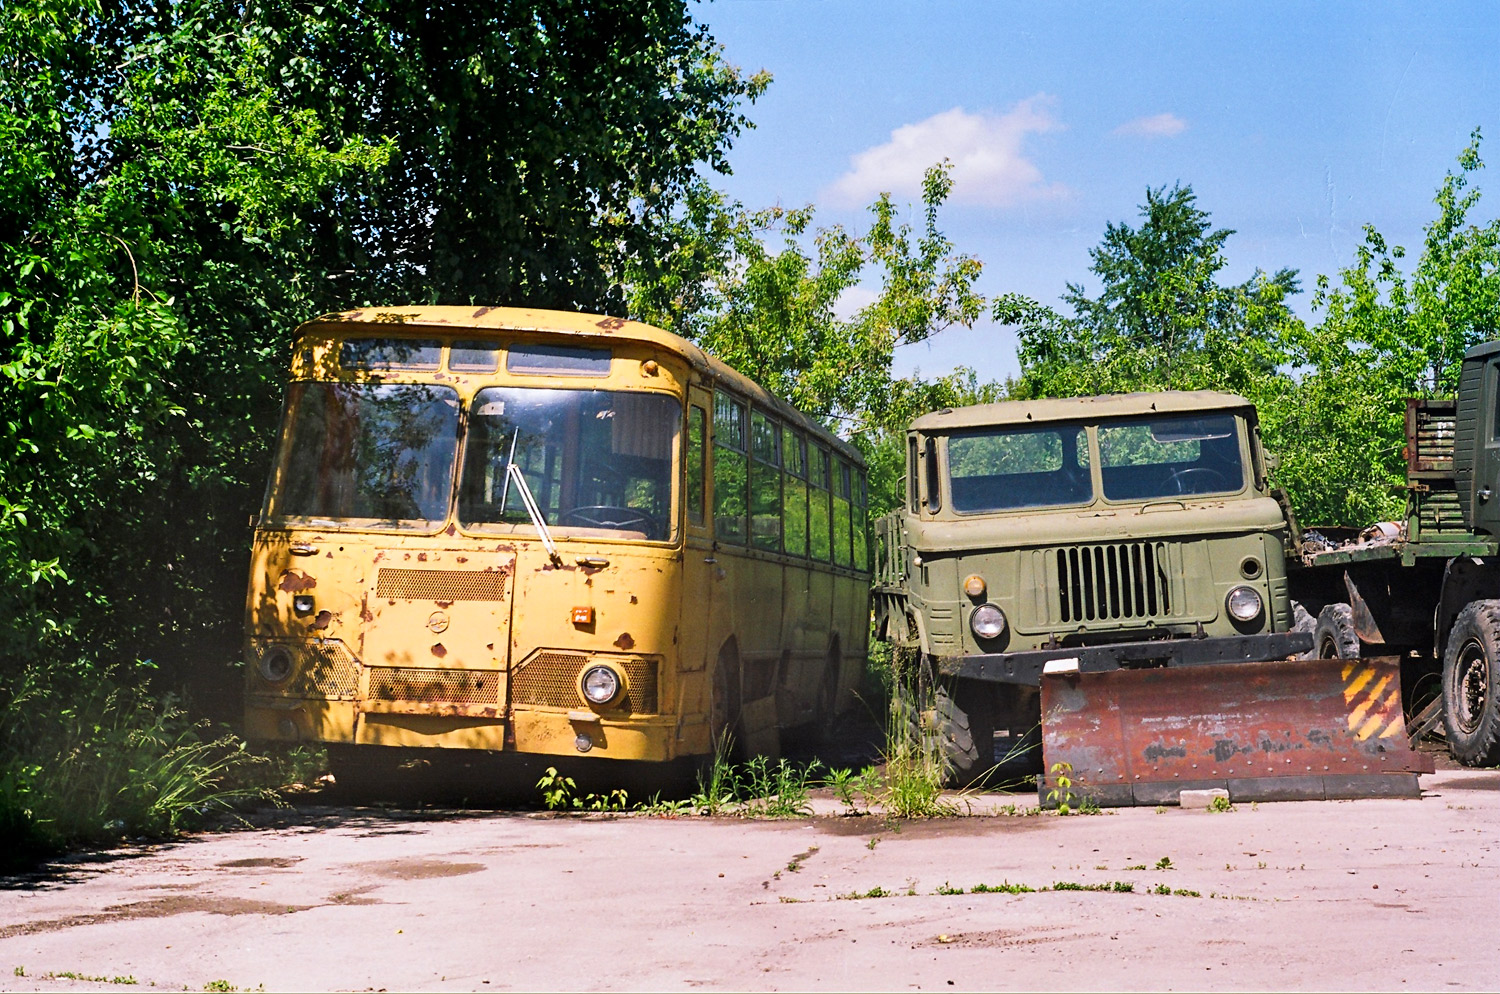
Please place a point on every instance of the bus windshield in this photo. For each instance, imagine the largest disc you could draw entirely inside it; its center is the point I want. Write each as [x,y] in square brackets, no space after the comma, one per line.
[368,455]
[597,462]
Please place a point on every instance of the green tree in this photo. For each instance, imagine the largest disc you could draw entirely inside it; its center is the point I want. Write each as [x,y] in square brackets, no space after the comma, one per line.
[778,312]
[1385,336]
[1162,319]
[180,185]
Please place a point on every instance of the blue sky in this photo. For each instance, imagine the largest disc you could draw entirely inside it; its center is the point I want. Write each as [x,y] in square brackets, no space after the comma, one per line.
[1295,124]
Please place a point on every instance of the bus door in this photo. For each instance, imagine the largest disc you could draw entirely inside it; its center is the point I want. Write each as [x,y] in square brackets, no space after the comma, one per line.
[698,636]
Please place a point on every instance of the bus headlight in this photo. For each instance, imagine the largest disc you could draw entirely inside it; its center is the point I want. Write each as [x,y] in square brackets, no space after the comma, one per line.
[276,664]
[987,621]
[1243,603]
[601,684]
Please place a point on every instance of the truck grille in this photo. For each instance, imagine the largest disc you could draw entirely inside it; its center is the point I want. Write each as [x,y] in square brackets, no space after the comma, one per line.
[1119,581]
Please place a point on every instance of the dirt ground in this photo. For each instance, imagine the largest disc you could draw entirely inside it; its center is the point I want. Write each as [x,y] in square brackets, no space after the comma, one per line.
[1337,895]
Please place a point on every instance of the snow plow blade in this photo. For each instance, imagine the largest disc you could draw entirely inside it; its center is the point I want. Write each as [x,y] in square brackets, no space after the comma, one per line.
[1276,731]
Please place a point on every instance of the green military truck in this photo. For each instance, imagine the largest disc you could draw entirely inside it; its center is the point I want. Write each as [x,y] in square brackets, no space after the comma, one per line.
[1427,589]
[1065,538]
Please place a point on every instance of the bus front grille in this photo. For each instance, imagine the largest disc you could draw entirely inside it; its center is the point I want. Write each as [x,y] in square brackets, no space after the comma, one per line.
[332,670]
[550,679]
[429,686]
[1117,582]
[442,584]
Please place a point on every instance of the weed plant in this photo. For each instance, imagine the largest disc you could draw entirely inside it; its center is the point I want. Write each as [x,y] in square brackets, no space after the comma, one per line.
[85,761]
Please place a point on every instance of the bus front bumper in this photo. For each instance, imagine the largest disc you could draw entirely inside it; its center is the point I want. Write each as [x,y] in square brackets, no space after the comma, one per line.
[541,732]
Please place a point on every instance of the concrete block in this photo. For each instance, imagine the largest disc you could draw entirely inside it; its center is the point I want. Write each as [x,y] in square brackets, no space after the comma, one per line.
[1201,798]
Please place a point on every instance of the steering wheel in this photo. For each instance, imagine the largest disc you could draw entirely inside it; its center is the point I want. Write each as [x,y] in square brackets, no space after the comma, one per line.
[1213,479]
[604,516]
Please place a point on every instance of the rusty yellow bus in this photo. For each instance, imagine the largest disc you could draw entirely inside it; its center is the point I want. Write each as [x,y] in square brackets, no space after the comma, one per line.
[546,533]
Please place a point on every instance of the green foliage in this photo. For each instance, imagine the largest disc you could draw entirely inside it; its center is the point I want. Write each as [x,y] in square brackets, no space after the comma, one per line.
[181,184]
[108,761]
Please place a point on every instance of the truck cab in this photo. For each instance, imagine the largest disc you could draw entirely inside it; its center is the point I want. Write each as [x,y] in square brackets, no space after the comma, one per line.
[1096,533]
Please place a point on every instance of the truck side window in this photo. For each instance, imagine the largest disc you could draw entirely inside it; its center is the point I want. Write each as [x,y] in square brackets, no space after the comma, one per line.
[911,473]
[934,498]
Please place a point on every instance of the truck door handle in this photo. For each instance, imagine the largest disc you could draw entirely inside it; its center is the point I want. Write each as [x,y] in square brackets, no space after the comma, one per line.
[1484,493]
[710,559]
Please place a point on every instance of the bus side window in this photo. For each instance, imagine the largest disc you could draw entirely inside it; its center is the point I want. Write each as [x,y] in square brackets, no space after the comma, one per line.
[765,483]
[794,514]
[729,470]
[697,425]
[841,509]
[911,473]
[861,522]
[817,503]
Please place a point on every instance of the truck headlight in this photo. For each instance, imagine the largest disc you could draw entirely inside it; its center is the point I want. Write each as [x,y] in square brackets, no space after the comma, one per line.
[601,684]
[1243,603]
[987,621]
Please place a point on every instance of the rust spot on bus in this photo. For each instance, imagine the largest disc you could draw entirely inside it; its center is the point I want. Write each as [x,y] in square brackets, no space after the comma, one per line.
[439,651]
[293,582]
[322,621]
[421,557]
[624,642]
[610,324]
[481,312]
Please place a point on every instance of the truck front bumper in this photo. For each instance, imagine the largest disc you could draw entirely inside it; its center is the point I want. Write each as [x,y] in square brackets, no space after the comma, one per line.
[1026,667]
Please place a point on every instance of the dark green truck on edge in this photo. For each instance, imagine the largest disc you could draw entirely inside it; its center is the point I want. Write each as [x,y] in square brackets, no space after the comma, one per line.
[1094,533]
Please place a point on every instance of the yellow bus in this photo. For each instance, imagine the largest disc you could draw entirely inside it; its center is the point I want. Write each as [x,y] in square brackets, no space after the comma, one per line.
[546,533]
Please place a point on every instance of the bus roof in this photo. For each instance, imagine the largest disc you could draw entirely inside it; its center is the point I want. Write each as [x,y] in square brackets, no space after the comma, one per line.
[1079,409]
[476,321]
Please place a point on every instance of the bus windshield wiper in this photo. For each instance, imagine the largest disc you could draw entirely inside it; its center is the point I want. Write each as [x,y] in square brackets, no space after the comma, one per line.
[514,472]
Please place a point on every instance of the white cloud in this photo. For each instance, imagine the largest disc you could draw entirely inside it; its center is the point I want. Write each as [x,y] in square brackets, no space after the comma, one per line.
[989,167]
[1154,126]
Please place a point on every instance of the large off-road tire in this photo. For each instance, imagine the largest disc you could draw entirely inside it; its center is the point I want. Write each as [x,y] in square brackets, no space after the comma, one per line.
[964,722]
[1334,636]
[1471,674]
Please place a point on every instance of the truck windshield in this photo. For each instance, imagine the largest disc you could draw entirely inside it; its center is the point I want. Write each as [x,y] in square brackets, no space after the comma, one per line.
[1146,458]
[598,462]
[1003,470]
[367,455]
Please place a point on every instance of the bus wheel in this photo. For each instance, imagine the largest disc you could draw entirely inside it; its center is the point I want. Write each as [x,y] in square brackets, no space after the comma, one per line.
[1334,636]
[827,707]
[1471,716]
[724,716]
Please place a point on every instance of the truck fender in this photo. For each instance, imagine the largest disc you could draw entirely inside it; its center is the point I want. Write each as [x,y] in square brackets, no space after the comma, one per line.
[1465,579]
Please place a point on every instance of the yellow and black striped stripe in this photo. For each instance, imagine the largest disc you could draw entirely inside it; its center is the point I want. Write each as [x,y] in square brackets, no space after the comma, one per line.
[1372,692]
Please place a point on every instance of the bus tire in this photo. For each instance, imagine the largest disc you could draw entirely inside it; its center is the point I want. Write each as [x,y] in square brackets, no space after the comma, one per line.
[1471,715]
[724,713]
[965,725]
[1334,636]
[827,706]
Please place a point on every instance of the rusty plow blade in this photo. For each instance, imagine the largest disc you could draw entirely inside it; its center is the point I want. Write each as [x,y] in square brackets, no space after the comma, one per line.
[1276,731]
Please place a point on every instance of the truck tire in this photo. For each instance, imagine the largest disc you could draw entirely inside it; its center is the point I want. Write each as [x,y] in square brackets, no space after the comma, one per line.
[965,726]
[1471,715]
[1334,636]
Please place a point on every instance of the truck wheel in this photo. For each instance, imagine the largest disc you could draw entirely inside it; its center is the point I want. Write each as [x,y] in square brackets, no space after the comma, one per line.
[1471,716]
[1334,636]
[1018,756]
[965,726]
